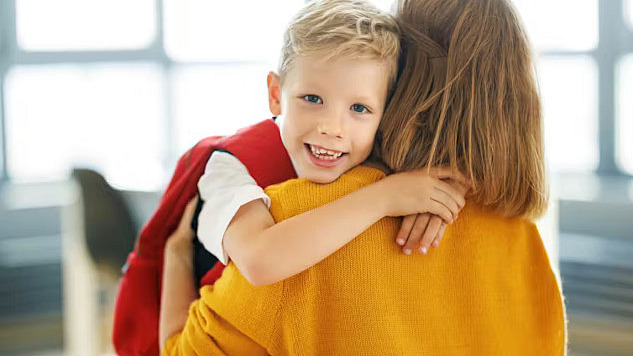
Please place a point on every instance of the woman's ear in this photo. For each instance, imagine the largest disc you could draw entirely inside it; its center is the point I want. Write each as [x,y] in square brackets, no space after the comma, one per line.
[274,93]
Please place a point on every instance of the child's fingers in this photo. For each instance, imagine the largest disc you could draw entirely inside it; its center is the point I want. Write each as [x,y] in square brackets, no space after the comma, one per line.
[440,210]
[416,233]
[442,197]
[452,192]
[432,230]
[405,229]
[439,236]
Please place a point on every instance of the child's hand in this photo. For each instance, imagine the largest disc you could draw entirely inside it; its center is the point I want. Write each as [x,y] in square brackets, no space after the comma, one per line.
[420,231]
[423,191]
[182,237]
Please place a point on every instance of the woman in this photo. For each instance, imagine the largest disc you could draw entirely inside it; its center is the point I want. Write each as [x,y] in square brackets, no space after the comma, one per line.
[465,98]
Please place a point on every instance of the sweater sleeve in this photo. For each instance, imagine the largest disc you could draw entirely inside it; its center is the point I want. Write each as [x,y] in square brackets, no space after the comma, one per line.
[206,333]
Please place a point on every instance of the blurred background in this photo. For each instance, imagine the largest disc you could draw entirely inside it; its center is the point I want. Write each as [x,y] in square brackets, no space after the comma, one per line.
[119,89]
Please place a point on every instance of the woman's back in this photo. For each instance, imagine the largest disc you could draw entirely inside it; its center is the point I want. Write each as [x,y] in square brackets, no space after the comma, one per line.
[489,290]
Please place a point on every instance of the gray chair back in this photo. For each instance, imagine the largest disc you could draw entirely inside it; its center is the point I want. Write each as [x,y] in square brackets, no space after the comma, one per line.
[110,229]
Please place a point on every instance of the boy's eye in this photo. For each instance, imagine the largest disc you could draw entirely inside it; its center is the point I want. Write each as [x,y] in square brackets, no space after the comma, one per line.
[312,98]
[359,108]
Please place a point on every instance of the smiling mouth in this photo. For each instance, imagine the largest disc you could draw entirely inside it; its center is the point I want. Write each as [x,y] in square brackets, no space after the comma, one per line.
[324,153]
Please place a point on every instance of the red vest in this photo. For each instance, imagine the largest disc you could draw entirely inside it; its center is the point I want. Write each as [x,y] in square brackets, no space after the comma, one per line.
[136,315]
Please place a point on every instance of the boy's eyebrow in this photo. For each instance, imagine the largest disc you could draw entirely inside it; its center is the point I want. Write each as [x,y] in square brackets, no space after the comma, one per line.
[304,85]
[363,98]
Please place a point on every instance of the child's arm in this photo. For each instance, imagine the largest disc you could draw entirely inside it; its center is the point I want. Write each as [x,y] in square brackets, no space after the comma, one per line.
[266,252]
[224,187]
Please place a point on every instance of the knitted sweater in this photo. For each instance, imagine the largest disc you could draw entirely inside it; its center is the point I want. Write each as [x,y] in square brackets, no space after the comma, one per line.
[488,290]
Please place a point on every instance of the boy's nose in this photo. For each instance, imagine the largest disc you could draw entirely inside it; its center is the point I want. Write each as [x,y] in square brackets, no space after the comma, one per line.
[331,126]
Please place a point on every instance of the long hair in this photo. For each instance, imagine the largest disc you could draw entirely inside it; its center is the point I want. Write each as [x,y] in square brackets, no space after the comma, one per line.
[466,97]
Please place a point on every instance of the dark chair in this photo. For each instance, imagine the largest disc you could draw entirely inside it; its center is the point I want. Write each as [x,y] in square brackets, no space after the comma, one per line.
[109,226]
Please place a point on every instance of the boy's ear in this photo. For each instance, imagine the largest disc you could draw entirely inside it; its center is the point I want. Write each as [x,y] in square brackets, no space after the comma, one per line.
[274,94]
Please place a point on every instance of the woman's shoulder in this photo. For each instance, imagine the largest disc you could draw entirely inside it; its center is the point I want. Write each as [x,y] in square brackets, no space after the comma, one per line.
[297,196]
[475,220]
[353,179]
[474,210]
[504,239]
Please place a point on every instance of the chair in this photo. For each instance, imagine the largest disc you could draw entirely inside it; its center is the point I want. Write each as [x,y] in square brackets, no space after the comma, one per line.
[98,232]
[109,226]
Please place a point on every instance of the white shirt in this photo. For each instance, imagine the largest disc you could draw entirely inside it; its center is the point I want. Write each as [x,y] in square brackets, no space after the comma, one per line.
[225,186]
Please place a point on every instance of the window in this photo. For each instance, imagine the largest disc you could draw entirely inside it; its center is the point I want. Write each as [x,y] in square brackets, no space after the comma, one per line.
[625,114]
[3,168]
[217,100]
[153,100]
[569,98]
[568,78]
[177,69]
[225,31]
[104,116]
[66,25]
[570,25]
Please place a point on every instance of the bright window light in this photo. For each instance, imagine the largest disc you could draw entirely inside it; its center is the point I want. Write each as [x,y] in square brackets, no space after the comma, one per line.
[217,100]
[102,116]
[624,136]
[224,31]
[72,25]
[561,24]
[569,91]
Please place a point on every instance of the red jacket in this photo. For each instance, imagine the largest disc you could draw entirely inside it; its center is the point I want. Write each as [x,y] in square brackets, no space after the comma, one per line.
[136,315]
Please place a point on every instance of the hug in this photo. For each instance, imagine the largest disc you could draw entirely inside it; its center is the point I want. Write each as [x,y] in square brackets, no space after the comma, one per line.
[386,210]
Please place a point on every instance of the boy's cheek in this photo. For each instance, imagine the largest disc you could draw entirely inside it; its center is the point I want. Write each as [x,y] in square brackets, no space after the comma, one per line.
[368,142]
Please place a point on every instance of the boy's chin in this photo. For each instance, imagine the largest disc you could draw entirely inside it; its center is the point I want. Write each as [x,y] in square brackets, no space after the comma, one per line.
[324,181]
[322,178]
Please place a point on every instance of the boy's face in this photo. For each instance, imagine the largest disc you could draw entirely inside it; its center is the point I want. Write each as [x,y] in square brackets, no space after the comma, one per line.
[330,112]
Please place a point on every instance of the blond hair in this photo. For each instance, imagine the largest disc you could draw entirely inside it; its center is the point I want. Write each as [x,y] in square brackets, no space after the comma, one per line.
[467,98]
[341,29]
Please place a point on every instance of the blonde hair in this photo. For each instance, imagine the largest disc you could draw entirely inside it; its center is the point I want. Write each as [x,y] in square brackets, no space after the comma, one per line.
[341,29]
[466,97]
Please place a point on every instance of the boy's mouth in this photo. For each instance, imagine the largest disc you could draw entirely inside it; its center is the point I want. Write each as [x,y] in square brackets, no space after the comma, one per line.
[324,157]
[324,153]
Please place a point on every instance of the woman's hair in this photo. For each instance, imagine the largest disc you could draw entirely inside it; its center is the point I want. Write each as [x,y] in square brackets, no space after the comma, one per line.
[341,29]
[466,97]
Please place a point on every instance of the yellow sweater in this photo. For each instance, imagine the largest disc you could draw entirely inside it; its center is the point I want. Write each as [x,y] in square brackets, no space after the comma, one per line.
[488,290]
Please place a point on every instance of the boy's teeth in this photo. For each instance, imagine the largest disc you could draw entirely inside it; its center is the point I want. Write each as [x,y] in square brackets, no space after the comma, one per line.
[325,154]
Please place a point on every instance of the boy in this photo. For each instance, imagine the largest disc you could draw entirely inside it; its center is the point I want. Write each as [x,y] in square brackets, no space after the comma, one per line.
[314,98]
[350,30]
[338,65]
[334,79]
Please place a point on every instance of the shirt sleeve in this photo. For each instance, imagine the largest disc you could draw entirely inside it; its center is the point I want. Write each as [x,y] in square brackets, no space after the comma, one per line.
[224,187]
